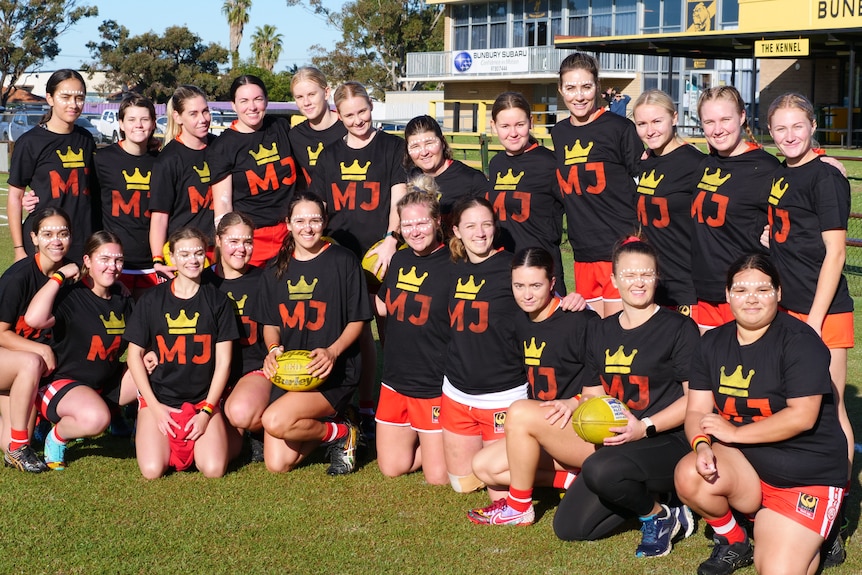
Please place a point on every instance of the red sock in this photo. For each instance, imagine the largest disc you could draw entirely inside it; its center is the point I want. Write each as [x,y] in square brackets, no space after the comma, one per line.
[564,479]
[727,527]
[520,499]
[334,431]
[18,438]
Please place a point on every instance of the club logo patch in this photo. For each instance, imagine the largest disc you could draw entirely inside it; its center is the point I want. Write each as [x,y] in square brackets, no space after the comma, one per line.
[435,414]
[499,421]
[807,505]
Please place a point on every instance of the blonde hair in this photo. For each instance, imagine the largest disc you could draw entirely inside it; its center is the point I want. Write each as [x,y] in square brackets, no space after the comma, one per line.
[733,96]
[350,90]
[309,74]
[177,103]
[791,100]
[663,101]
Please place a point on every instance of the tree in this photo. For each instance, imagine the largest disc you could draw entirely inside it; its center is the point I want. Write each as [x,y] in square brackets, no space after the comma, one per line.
[236,12]
[277,85]
[377,35]
[155,64]
[266,46]
[28,35]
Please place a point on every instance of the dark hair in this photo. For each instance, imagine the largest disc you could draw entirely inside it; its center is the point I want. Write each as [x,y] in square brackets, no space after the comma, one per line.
[509,101]
[54,82]
[421,124]
[535,258]
[753,261]
[97,240]
[135,100]
[228,220]
[245,80]
[580,61]
[633,244]
[456,246]
[285,252]
[45,213]
[186,233]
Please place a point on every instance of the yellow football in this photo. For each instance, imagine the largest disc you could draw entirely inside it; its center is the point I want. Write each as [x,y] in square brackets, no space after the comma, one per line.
[292,372]
[594,417]
[168,262]
[369,260]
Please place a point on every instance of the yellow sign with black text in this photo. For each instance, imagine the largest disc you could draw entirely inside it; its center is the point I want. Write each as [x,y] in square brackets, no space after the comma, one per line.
[781,48]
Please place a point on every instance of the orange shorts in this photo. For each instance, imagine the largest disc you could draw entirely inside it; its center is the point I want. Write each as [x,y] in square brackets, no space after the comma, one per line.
[267,242]
[837,329]
[593,281]
[139,279]
[812,506]
[708,315]
[465,420]
[395,408]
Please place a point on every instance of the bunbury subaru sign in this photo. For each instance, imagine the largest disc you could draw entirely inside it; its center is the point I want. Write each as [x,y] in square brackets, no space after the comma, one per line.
[498,61]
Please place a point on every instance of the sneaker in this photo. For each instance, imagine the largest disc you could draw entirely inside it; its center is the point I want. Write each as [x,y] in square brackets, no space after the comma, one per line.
[657,534]
[24,459]
[43,427]
[499,513]
[342,452]
[685,518]
[55,453]
[726,557]
[836,554]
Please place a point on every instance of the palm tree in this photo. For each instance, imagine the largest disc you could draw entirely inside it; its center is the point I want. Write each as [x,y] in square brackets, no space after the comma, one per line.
[236,12]
[266,46]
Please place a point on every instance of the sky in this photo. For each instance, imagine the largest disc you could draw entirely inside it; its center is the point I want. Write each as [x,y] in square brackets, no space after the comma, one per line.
[299,28]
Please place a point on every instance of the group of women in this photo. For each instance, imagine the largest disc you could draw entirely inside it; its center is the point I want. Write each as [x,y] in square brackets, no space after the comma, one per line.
[220,247]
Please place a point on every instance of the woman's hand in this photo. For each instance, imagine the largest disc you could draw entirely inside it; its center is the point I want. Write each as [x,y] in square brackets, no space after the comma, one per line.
[764,236]
[633,430]
[573,302]
[322,360]
[718,427]
[48,357]
[705,462]
[384,252]
[270,365]
[559,411]
[197,425]
[151,362]
[167,424]
[29,201]
[164,272]
[71,272]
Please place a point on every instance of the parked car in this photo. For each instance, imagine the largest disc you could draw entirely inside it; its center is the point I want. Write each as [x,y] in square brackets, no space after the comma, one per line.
[21,122]
[109,125]
[221,120]
[87,125]
[161,125]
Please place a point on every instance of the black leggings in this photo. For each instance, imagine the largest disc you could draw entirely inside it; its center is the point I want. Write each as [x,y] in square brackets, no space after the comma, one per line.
[617,483]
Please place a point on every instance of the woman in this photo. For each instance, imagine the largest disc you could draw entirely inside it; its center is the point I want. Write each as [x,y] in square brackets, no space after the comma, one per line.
[253,168]
[322,126]
[180,195]
[767,441]
[524,189]
[55,160]
[414,300]
[191,326]
[87,320]
[597,156]
[483,370]
[124,171]
[669,175]
[429,152]
[25,353]
[314,299]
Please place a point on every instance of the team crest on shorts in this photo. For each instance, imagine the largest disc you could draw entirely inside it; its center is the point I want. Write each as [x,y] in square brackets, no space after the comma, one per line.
[684,310]
[807,505]
[499,421]
[435,414]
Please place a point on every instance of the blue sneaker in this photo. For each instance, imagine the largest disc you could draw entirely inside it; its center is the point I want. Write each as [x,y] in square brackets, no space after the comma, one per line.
[55,453]
[685,518]
[658,532]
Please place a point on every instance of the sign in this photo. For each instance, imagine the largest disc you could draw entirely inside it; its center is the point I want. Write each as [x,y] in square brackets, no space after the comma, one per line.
[700,15]
[781,48]
[500,61]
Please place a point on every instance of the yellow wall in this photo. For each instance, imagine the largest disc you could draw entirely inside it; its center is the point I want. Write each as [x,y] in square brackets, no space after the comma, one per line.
[784,15]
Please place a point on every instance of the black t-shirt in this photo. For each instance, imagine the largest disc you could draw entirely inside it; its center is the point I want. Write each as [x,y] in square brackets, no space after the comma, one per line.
[18,284]
[595,166]
[125,181]
[750,382]
[484,354]
[729,212]
[59,169]
[263,169]
[459,181]
[555,353]
[416,294]
[357,186]
[665,190]
[184,334]
[805,202]
[644,367]
[308,143]
[526,198]
[182,188]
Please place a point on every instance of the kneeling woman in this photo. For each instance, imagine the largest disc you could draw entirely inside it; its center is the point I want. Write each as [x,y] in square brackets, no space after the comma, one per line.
[775,447]
[88,320]
[314,299]
[191,327]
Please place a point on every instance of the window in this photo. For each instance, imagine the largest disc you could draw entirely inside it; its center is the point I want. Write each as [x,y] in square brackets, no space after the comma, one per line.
[626,17]
[729,14]
[652,16]
[672,21]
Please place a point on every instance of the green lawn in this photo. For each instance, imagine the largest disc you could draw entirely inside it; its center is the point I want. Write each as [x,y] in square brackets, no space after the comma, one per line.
[100,516]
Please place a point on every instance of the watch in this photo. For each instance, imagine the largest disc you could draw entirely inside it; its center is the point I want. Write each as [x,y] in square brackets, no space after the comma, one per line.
[650,427]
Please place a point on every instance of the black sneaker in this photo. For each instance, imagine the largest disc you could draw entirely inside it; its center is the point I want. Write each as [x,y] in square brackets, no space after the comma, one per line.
[342,452]
[726,557]
[836,554]
[24,459]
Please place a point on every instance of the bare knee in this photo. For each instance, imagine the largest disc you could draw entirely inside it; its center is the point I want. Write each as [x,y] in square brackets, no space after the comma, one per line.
[152,469]
[277,423]
[212,468]
[391,467]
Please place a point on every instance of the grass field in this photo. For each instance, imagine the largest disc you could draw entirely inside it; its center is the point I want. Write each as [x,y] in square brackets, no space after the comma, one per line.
[101,516]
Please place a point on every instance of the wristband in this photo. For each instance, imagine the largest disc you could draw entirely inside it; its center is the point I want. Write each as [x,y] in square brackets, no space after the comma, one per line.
[273,347]
[57,277]
[207,408]
[578,397]
[698,439]
[389,235]
[159,260]
[16,247]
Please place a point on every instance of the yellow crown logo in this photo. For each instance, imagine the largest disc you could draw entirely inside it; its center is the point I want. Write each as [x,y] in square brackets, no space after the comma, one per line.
[711,182]
[70,159]
[735,384]
[410,281]
[777,191]
[577,154]
[264,156]
[354,172]
[240,303]
[203,173]
[312,154]
[619,362]
[137,181]
[508,182]
[533,354]
[467,290]
[114,325]
[302,290]
[182,324]
[648,183]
